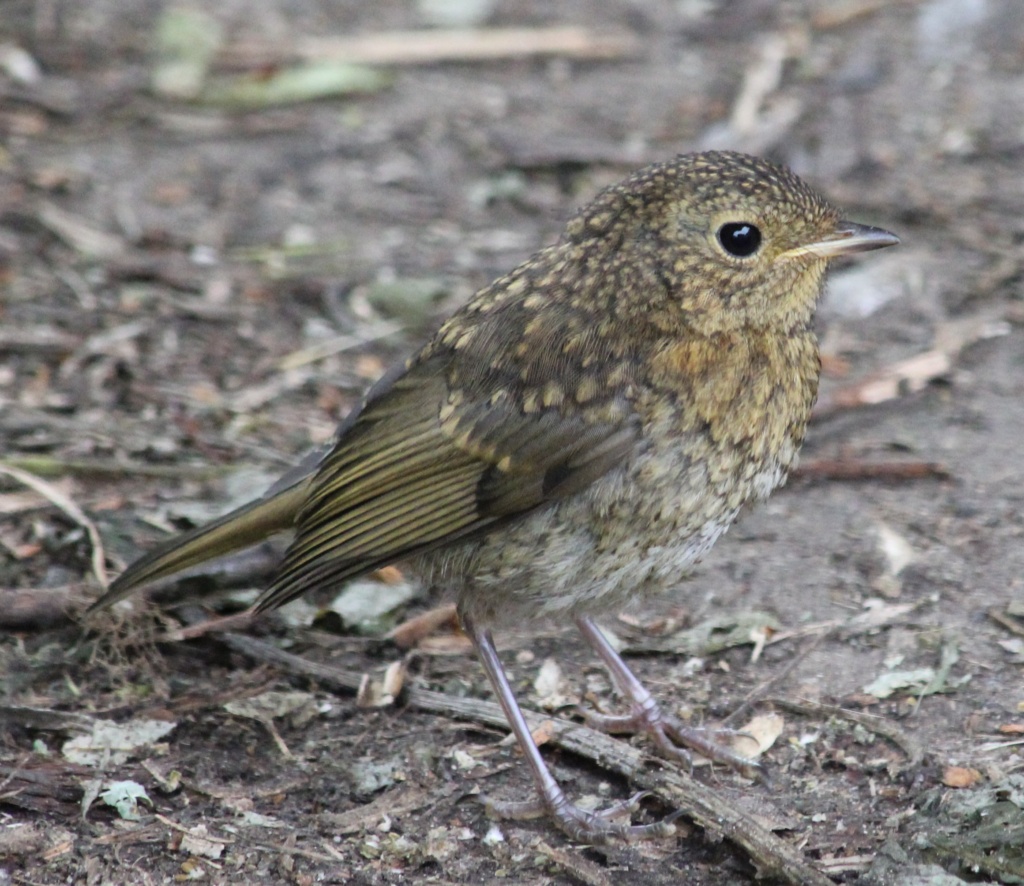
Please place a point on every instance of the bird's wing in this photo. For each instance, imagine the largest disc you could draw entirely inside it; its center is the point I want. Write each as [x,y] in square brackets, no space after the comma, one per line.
[241,528]
[424,465]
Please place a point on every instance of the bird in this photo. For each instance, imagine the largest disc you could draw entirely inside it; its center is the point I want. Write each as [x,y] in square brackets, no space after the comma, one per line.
[577,435]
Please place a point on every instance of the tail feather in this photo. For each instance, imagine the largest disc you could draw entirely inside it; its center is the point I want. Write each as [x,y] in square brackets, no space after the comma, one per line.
[239,529]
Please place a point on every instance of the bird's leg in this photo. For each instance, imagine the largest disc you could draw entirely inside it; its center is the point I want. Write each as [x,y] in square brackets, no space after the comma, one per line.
[580,824]
[669,735]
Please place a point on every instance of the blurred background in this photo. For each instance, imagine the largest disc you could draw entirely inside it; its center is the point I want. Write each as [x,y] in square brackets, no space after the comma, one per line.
[220,222]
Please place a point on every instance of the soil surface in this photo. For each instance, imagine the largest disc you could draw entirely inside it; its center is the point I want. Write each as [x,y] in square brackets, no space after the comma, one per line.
[195,292]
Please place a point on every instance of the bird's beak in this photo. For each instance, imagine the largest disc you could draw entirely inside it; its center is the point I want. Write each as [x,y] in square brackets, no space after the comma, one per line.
[848,238]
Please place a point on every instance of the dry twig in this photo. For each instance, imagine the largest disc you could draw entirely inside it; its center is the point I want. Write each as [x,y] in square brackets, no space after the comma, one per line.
[57,498]
[429,47]
[854,469]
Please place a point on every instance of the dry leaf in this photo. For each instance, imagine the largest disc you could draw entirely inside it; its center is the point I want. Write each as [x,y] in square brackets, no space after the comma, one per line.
[299,707]
[413,631]
[960,777]
[553,691]
[759,734]
[445,644]
[112,743]
[197,842]
[544,733]
[394,679]
[381,693]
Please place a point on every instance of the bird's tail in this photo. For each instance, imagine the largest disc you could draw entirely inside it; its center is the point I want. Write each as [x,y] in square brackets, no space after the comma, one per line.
[243,527]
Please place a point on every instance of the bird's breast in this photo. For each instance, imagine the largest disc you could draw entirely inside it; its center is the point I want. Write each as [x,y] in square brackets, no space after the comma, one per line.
[739,402]
[721,423]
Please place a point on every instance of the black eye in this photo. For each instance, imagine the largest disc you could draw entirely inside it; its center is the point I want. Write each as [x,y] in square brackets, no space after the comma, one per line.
[739,238]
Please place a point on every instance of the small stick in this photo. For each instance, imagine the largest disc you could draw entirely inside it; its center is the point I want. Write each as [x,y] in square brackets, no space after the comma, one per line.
[47,466]
[57,498]
[428,47]
[854,469]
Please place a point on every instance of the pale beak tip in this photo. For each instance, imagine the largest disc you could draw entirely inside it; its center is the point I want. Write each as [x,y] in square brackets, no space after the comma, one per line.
[860,238]
[849,238]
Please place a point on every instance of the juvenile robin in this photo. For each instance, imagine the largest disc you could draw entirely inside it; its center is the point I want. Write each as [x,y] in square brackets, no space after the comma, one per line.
[578,434]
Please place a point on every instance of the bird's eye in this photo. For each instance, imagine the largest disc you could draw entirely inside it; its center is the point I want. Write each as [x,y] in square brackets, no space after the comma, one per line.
[740,239]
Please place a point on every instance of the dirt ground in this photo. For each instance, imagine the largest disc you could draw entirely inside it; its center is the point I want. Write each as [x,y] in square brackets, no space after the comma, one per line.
[193,293]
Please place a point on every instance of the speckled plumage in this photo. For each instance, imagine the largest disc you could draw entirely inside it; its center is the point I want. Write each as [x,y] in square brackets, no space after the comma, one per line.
[638,528]
[635,333]
[587,425]
[582,430]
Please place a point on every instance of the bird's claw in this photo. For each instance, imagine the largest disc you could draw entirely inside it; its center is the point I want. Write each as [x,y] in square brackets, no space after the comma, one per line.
[672,738]
[595,827]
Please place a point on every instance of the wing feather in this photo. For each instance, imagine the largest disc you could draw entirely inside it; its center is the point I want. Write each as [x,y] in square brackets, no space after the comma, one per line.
[422,466]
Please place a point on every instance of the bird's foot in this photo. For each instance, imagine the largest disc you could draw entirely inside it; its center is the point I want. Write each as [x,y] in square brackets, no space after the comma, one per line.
[672,738]
[580,824]
[595,827]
